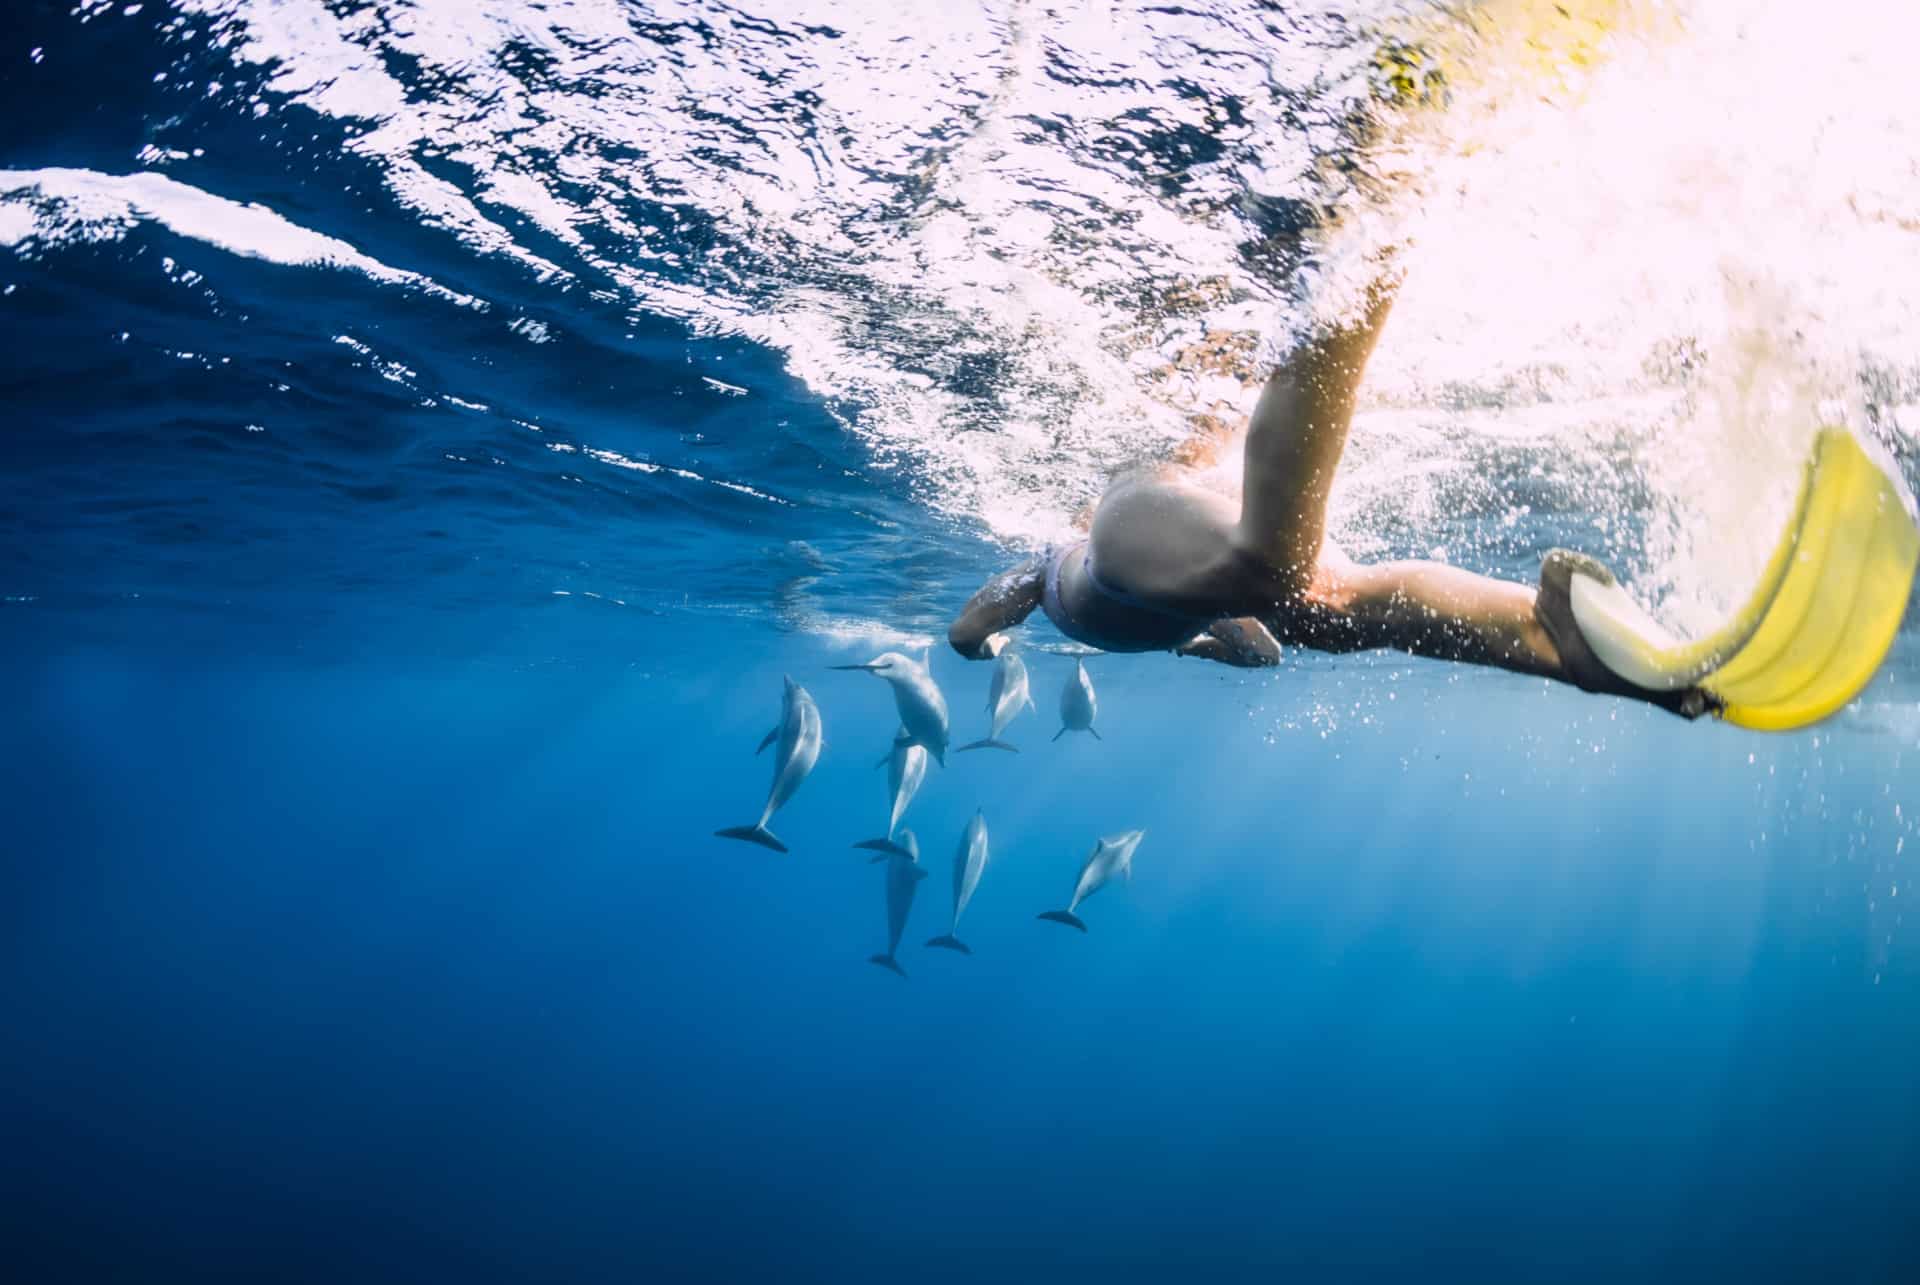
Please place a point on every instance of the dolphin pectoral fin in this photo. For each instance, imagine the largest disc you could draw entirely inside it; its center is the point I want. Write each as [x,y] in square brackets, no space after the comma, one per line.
[1066,917]
[769,738]
[752,834]
[1095,732]
[989,743]
[887,962]
[919,872]
[951,942]
[885,847]
[1062,732]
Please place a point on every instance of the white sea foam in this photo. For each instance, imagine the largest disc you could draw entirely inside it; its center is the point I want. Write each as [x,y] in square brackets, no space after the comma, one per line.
[58,205]
[871,636]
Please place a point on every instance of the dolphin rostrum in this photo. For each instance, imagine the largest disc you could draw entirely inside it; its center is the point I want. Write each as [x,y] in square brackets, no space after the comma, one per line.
[798,733]
[923,710]
[1008,696]
[1111,856]
[906,767]
[904,873]
[1077,703]
[969,863]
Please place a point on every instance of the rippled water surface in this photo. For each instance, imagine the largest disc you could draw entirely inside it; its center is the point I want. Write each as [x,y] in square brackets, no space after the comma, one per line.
[1004,251]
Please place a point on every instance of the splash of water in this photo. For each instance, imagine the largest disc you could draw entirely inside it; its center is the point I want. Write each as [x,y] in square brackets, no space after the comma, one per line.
[1709,203]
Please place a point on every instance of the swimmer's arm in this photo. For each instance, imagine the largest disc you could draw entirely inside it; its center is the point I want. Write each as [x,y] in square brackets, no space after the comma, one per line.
[1244,643]
[1001,603]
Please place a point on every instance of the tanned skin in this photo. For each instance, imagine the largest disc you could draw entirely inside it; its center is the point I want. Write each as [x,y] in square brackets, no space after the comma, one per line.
[1187,570]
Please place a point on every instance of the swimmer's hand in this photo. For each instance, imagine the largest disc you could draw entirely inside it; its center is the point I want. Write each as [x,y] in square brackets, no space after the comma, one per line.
[1245,643]
[976,648]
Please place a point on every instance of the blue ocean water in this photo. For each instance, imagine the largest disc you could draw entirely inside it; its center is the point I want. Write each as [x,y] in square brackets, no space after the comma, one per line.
[388,625]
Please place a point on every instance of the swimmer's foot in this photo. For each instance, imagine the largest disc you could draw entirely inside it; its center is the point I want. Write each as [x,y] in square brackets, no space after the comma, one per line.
[1554,610]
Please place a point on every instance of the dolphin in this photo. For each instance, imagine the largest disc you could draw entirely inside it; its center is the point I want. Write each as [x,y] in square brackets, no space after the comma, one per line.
[969,863]
[1078,704]
[1111,856]
[1007,697]
[923,710]
[904,873]
[798,733]
[906,767]
[905,846]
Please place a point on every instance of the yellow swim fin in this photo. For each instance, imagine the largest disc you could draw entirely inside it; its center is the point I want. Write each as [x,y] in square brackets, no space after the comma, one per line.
[1815,628]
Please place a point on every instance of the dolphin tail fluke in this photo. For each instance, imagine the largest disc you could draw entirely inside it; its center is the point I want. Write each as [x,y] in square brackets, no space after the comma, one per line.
[1066,917]
[951,942]
[885,847]
[990,743]
[1062,732]
[888,962]
[752,834]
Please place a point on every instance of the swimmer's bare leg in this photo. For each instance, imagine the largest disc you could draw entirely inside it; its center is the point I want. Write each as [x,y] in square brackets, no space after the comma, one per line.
[1244,643]
[1001,603]
[1295,439]
[1431,609]
[1294,444]
[1434,610]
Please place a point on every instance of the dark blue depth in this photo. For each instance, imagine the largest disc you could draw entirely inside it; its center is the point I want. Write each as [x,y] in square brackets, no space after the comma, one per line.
[361,919]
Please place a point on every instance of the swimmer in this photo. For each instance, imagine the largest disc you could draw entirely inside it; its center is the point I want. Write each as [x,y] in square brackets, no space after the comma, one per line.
[1169,565]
